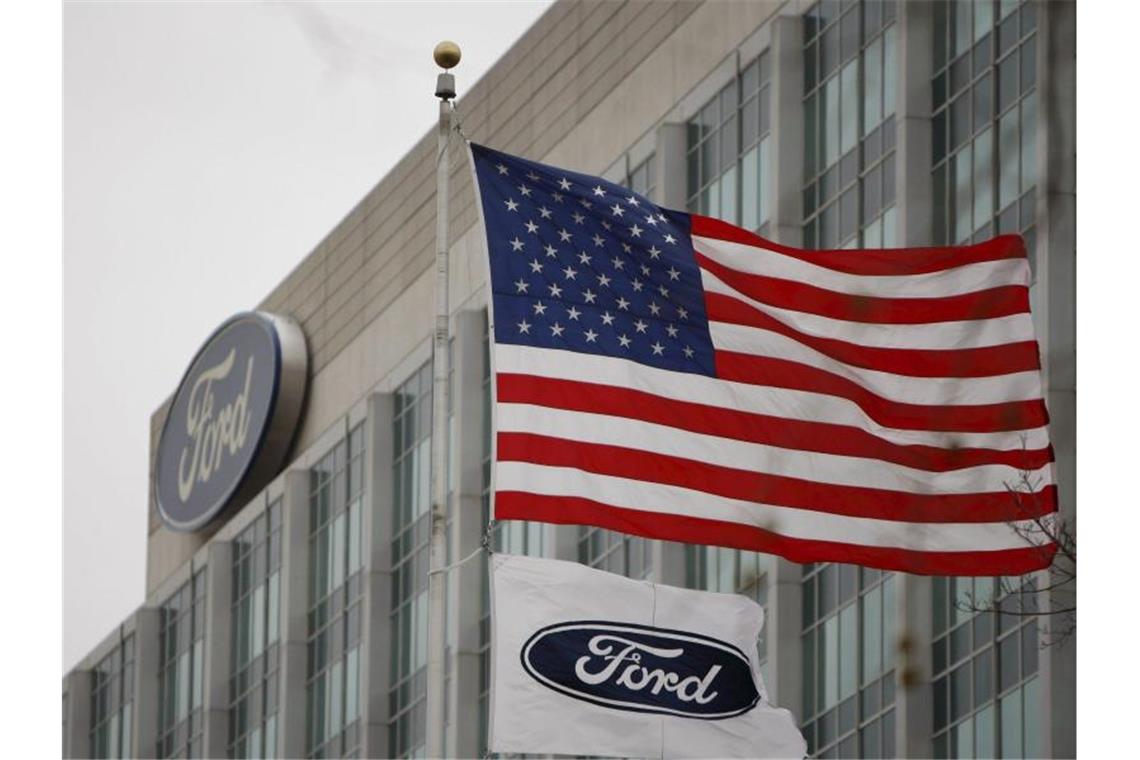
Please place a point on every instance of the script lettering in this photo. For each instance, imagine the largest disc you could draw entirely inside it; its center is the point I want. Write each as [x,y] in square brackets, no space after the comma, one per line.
[212,434]
[635,676]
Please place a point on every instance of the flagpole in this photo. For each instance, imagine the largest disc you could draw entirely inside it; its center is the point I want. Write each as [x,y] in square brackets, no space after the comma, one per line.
[446,54]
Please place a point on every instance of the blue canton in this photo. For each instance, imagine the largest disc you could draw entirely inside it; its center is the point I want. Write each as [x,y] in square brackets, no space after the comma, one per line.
[583,264]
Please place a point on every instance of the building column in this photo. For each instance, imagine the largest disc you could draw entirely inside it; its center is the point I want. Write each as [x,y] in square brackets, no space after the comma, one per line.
[785,177]
[217,646]
[1054,305]
[785,641]
[910,641]
[148,661]
[376,604]
[465,583]
[77,714]
[292,732]
[670,155]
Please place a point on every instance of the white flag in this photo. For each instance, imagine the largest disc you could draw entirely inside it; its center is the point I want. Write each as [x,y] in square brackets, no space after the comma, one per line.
[586,662]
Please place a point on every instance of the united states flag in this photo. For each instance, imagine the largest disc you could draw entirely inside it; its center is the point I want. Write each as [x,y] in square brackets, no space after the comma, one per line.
[673,376]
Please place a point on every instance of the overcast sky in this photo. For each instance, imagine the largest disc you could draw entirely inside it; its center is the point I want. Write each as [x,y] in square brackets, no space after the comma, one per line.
[207,148]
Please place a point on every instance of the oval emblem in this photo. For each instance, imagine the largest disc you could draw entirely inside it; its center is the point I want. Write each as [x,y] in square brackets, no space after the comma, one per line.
[642,668]
[232,419]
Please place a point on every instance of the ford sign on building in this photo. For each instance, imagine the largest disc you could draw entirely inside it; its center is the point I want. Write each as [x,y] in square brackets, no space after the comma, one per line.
[232,420]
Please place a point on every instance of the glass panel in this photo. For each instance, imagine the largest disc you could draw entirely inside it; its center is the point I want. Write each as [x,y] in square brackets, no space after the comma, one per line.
[890,77]
[749,190]
[848,650]
[983,180]
[274,613]
[872,86]
[1028,141]
[830,119]
[1032,712]
[728,195]
[829,666]
[1008,153]
[849,106]
[963,195]
[964,738]
[1011,725]
[872,634]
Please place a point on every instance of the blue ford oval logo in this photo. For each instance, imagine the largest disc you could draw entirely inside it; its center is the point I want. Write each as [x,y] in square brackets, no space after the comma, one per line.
[641,668]
[232,419]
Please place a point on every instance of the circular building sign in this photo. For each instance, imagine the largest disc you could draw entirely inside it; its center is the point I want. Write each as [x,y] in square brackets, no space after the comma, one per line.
[232,420]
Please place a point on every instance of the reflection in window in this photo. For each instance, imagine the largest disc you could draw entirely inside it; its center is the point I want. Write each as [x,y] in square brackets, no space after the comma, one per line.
[850,82]
[727,156]
[182,638]
[849,660]
[731,571]
[112,702]
[256,627]
[336,501]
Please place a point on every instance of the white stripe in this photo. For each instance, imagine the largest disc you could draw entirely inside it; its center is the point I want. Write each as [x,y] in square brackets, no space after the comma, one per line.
[775,402]
[813,466]
[968,278]
[977,333]
[929,391]
[786,521]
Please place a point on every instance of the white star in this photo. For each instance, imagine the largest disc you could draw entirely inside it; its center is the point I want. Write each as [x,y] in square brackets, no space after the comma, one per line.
[633,200]
[664,291]
[521,285]
[502,169]
[654,309]
[672,330]
[658,349]
[637,285]
[544,212]
[622,304]
[607,318]
[524,190]
[557,197]
[573,313]
[640,326]
[585,203]
[516,244]
[585,258]
[598,239]
[564,183]
[556,330]
[607,225]
[654,253]
[635,231]
[535,266]
[603,281]
[540,309]
[532,176]
[551,251]
[511,204]
[670,239]
[661,217]
[599,191]
[531,227]
[618,210]
[564,235]
[590,296]
[682,313]
[688,353]
[674,274]
[524,327]
[651,221]
[645,270]
[618,263]
[569,273]
[578,218]
[624,341]
[591,336]
[627,247]
[555,291]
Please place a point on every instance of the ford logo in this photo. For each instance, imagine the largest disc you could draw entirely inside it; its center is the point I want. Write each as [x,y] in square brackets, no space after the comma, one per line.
[642,668]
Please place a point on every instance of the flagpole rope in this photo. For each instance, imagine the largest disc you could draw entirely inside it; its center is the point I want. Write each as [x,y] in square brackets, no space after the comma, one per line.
[484,546]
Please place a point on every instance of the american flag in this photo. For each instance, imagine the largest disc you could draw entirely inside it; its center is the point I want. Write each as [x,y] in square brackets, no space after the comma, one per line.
[672,376]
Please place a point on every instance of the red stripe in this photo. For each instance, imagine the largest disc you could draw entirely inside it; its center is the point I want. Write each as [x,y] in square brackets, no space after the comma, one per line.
[777,490]
[821,437]
[976,418]
[1000,301]
[518,505]
[889,262]
[913,362]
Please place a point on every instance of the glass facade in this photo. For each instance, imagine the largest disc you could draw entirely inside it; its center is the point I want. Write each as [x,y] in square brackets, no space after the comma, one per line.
[112,702]
[336,503]
[849,661]
[850,83]
[985,120]
[727,156]
[410,538]
[615,552]
[182,637]
[256,616]
[643,179]
[731,571]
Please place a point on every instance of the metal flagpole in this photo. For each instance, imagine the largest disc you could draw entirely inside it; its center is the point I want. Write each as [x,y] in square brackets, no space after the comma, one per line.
[446,55]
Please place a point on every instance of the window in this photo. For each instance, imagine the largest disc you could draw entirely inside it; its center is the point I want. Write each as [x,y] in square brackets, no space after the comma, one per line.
[615,552]
[256,627]
[985,119]
[112,702]
[182,637]
[410,538]
[642,178]
[850,78]
[336,501]
[986,690]
[848,645]
[730,571]
[728,150]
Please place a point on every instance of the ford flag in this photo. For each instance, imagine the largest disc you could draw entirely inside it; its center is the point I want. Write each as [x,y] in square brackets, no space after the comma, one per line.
[590,663]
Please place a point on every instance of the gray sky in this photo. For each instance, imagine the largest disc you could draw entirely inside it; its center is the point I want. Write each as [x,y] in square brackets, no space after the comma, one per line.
[207,148]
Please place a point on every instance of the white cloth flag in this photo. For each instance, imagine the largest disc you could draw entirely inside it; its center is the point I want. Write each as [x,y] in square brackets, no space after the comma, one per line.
[586,662]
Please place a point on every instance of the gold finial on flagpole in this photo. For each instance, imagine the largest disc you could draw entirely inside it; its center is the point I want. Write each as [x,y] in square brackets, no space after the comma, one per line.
[446,54]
